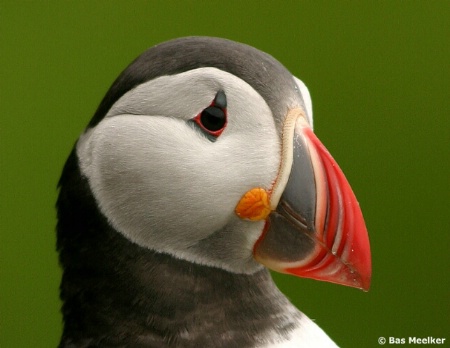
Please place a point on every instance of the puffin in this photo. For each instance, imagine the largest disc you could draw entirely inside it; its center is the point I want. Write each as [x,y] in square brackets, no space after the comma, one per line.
[198,173]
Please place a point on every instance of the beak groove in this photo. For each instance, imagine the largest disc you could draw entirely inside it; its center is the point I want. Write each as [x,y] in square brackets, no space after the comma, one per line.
[316,229]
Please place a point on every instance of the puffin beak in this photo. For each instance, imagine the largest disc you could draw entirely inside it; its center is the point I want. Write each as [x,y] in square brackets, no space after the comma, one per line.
[314,226]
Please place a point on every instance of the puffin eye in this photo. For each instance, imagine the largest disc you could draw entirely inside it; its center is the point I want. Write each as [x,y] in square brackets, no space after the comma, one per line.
[213,119]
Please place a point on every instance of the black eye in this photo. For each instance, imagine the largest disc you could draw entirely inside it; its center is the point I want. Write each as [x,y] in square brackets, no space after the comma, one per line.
[213,119]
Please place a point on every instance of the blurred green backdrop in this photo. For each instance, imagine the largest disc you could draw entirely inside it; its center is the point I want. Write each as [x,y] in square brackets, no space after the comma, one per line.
[379,75]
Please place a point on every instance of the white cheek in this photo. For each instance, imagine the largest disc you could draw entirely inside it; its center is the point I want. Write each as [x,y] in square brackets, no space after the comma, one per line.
[166,187]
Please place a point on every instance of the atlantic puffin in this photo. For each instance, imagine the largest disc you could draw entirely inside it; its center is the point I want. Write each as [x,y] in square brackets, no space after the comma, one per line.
[198,172]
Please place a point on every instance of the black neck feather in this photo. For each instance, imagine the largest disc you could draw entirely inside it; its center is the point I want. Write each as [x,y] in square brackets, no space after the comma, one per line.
[116,293]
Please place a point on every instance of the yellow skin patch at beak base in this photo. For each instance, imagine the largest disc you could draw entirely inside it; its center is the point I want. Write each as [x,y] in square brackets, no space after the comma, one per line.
[254,205]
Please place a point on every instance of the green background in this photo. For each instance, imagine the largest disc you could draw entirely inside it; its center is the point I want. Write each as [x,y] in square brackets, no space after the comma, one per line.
[379,76]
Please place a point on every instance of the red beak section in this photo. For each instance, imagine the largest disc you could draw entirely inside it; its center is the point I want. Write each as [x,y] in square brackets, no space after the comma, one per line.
[317,230]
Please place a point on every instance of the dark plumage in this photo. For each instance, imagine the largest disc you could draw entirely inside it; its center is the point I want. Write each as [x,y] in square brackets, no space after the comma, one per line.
[117,293]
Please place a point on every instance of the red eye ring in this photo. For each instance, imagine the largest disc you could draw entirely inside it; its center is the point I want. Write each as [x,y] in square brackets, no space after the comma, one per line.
[213,119]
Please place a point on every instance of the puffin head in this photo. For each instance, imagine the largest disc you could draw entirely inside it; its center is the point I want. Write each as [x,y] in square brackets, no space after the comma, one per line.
[203,149]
